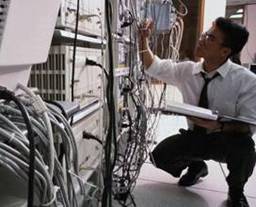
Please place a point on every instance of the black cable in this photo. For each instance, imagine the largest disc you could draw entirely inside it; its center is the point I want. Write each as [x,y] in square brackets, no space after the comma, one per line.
[163,93]
[93,63]
[74,51]
[111,133]
[8,95]
[74,57]
[135,154]
[87,135]
[130,51]
[63,112]
[133,148]
[123,176]
[130,162]
[126,17]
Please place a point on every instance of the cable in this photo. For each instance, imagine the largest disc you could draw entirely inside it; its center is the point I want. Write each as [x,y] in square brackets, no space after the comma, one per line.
[87,135]
[53,199]
[222,170]
[137,121]
[41,110]
[126,17]
[15,143]
[18,157]
[93,63]
[5,94]
[74,51]
[111,133]
[59,106]
[185,9]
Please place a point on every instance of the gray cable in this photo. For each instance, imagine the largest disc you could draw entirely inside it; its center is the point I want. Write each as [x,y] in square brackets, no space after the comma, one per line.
[15,150]
[25,150]
[19,168]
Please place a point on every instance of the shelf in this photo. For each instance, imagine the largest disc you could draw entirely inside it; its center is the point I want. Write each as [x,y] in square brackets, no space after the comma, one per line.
[86,111]
[67,37]
[122,39]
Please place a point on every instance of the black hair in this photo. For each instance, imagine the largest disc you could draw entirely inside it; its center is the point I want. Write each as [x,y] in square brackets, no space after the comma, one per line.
[235,35]
[236,58]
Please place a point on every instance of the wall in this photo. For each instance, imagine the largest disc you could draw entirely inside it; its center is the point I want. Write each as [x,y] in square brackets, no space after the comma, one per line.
[213,9]
[200,16]
[248,54]
[193,22]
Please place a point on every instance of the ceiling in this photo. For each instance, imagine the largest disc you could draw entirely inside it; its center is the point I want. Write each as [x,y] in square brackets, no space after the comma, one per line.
[240,2]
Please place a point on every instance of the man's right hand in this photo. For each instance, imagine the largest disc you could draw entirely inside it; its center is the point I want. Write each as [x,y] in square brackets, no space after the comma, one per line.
[146,28]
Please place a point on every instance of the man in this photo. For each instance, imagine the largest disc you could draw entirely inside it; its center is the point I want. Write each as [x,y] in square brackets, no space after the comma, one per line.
[230,89]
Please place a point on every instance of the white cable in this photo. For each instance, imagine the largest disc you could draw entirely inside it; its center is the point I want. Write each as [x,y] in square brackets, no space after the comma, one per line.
[181,25]
[38,159]
[185,8]
[13,126]
[72,147]
[162,45]
[24,166]
[19,144]
[13,167]
[55,190]
[14,152]
[41,109]
[174,37]
[87,183]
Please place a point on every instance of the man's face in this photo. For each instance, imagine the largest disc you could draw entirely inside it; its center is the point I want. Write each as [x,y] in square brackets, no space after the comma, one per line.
[210,45]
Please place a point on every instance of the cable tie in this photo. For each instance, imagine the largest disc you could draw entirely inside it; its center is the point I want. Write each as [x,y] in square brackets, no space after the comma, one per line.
[142,51]
[96,188]
[55,190]
[39,105]
[46,167]
[12,137]
[75,175]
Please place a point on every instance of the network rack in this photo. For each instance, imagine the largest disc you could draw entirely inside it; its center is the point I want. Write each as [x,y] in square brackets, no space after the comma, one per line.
[91,16]
[88,131]
[88,121]
[53,78]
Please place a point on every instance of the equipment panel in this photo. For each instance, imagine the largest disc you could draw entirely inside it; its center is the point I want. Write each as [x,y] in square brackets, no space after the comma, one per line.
[53,78]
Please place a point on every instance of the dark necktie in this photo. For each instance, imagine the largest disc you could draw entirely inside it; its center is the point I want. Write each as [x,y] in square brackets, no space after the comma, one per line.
[203,101]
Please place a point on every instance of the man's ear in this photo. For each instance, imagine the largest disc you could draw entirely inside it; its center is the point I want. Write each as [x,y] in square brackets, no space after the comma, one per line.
[226,51]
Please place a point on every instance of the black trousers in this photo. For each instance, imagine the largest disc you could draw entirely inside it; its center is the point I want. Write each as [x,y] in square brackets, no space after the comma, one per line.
[190,149]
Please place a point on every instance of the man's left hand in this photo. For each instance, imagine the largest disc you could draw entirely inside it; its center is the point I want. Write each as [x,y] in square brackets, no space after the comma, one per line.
[208,124]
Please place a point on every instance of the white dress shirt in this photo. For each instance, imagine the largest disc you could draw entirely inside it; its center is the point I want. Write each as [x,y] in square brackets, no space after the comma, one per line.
[232,93]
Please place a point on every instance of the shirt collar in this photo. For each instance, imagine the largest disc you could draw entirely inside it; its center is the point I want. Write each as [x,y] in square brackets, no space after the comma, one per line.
[222,70]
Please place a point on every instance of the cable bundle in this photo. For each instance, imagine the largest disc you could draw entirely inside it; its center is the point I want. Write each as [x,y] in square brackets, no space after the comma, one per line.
[137,122]
[54,178]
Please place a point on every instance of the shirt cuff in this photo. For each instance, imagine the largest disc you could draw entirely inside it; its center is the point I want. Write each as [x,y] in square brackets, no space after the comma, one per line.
[151,70]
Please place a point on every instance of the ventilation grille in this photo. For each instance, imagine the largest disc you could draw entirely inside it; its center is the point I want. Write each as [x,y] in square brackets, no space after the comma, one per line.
[50,78]
[53,78]
[3,14]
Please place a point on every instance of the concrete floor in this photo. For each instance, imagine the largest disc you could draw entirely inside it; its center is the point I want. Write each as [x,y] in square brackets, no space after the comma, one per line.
[155,188]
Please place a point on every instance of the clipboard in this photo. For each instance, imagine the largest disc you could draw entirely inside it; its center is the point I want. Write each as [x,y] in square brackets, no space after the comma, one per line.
[185,109]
